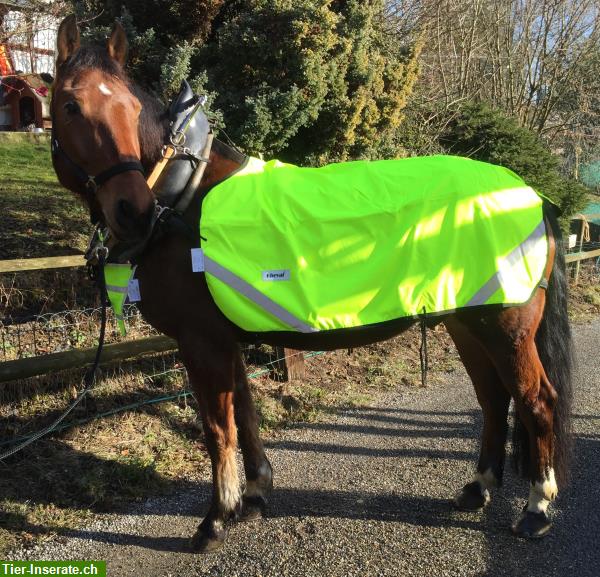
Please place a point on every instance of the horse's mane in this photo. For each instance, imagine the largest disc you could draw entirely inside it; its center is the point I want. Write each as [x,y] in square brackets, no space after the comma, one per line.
[153,122]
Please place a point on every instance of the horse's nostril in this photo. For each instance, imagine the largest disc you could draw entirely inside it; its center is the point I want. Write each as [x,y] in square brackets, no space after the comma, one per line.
[125,208]
[131,222]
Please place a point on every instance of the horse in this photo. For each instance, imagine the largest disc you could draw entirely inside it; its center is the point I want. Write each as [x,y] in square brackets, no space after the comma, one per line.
[106,126]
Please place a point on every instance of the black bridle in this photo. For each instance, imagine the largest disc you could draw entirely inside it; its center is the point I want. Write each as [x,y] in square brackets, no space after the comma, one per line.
[91,183]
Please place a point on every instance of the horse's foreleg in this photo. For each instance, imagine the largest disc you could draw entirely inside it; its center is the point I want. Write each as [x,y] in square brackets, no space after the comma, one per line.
[212,376]
[494,400]
[259,476]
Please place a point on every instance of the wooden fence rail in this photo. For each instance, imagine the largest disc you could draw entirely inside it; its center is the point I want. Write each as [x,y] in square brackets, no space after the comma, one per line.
[79,358]
[23,264]
[579,256]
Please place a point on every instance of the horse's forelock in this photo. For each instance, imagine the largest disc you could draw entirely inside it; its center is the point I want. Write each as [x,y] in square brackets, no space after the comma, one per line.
[91,57]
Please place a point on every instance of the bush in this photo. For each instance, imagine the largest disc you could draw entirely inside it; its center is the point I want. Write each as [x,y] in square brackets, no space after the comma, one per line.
[307,81]
[481,132]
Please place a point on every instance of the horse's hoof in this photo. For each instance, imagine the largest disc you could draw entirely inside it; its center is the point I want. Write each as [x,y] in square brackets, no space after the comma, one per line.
[253,508]
[471,498]
[207,541]
[532,525]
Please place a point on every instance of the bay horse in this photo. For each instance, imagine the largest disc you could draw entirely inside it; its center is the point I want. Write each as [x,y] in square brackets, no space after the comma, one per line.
[103,124]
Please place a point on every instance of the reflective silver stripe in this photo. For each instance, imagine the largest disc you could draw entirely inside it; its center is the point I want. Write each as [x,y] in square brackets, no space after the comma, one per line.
[116,289]
[495,282]
[241,286]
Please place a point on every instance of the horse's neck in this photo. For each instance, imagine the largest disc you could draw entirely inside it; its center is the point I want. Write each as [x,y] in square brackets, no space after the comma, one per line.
[223,161]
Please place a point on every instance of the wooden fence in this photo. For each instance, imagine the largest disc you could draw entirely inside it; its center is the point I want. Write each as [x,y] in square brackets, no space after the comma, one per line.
[581,254]
[290,364]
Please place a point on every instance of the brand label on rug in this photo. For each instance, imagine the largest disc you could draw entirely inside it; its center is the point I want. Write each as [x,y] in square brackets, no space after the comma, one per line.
[273,275]
[133,291]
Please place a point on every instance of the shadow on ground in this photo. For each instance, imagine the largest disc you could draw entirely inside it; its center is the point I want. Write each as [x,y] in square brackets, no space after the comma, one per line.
[567,550]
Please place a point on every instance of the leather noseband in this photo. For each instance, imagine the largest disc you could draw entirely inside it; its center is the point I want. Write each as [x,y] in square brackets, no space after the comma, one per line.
[90,182]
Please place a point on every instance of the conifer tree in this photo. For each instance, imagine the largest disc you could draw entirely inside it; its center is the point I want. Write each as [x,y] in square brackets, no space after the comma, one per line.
[304,80]
[310,82]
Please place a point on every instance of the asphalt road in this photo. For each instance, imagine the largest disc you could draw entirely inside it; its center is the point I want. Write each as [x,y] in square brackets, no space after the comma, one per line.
[367,492]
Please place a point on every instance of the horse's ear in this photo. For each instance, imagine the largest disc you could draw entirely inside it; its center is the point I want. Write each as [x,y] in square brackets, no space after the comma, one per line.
[67,40]
[117,43]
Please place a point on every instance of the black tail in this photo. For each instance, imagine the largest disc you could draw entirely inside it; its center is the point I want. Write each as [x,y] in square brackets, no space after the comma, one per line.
[554,345]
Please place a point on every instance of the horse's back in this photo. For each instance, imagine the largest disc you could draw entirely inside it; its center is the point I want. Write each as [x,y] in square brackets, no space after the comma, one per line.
[362,243]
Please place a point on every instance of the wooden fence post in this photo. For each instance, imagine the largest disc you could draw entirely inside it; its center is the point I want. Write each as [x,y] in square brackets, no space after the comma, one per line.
[581,236]
[290,364]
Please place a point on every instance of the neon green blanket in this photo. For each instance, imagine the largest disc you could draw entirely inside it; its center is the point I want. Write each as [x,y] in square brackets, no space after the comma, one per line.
[360,243]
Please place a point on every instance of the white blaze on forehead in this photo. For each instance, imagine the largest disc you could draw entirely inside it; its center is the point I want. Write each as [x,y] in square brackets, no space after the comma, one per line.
[104,89]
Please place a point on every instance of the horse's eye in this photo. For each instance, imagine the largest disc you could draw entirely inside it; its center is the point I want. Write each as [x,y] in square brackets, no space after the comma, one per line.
[72,107]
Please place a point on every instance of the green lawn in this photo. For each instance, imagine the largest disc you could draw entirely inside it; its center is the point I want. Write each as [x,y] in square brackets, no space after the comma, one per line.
[38,217]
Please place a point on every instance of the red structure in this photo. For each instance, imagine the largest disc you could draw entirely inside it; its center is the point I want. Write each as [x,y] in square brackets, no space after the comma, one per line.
[27,96]
[5,65]
[27,41]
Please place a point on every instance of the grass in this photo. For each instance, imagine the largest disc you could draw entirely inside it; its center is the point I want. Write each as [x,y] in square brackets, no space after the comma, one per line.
[38,217]
[59,482]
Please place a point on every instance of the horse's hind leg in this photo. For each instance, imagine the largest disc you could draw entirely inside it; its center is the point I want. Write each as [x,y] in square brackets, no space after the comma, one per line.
[509,339]
[259,476]
[211,371]
[494,400]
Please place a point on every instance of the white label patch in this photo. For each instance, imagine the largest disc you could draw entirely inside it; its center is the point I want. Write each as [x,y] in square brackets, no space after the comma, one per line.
[197,260]
[133,291]
[273,275]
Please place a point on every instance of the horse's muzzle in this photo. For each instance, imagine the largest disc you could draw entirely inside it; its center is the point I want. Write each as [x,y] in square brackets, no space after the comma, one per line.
[132,224]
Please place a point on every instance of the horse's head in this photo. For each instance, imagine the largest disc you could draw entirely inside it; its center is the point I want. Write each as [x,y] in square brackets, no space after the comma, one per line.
[96,146]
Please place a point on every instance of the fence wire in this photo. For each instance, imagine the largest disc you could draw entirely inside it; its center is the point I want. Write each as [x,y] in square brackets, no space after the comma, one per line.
[75,329]
[64,331]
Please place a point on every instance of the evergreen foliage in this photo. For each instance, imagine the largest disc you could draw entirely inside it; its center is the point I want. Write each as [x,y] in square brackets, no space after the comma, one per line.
[373,79]
[270,65]
[487,134]
[304,80]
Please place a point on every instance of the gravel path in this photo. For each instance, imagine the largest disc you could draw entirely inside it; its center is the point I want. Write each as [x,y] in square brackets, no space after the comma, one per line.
[367,493]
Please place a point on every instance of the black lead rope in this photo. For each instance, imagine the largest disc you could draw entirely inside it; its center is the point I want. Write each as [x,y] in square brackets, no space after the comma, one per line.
[89,379]
[423,350]
[90,376]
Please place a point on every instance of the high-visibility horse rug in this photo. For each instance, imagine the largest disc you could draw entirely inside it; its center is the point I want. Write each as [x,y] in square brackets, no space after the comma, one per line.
[359,243]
